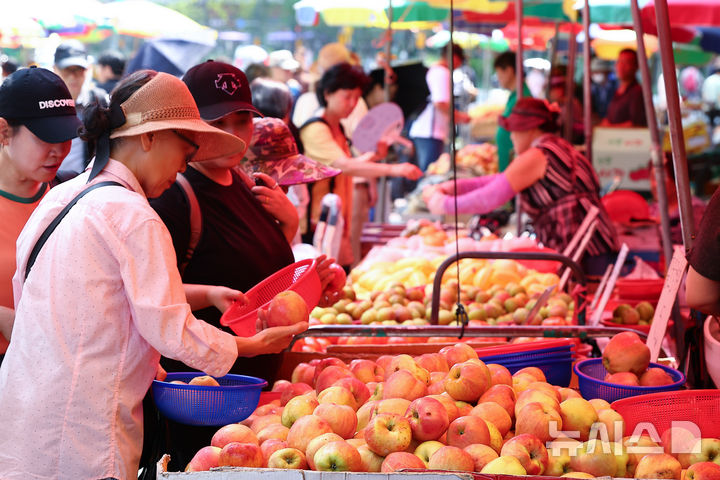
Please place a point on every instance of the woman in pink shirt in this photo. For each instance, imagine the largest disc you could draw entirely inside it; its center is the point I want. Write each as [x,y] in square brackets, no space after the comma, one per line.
[104,299]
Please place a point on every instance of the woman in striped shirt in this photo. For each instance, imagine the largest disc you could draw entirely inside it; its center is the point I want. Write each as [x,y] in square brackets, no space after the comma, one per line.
[557,184]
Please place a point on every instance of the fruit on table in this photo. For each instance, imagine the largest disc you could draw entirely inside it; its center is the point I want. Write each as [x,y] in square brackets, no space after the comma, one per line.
[640,314]
[393,431]
[626,352]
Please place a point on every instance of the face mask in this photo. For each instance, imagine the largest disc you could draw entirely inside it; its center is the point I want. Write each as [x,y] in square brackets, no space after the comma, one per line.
[598,77]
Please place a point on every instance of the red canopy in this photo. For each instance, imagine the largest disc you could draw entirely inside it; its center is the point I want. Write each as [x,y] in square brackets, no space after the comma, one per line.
[698,13]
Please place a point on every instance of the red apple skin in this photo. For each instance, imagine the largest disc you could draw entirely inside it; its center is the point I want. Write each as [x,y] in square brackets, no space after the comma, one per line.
[654,377]
[315,444]
[534,371]
[205,459]
[236,454]
[329,376]
[481,454]
[366,370]
[387,433]
[464,431]
[305,429]
[499,375]
[536,419]
[402,384]
[449,404]
[341,418]
[401,460]
[286,308]
[703,471]
[658,466]
[268,447]
[503,395]
[622,378]
[626,352]
[529,450]
[451,458]
[338,456]
[428,419]
[295,390]
[495,414]
[303,373]
[468,381]
[458,353]
[277,431]
[433,362]
[287,458]
[359,390]
[269,408]
[233,432]
[263,421]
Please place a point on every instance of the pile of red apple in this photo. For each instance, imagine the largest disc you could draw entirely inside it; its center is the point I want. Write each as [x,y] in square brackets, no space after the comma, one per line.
[626,359]
[445,411]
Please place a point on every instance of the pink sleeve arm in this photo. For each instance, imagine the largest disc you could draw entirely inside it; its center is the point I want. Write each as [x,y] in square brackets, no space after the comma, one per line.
[491,193]
[466,185]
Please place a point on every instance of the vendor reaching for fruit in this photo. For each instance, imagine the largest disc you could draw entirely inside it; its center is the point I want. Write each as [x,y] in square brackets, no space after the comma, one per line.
[100,298]
[557,184]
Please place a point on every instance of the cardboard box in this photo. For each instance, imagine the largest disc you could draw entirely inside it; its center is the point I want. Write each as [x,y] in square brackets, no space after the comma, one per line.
[623,153]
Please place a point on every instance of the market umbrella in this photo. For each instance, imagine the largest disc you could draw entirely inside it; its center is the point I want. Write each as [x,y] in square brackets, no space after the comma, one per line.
[18,30]
[145,19]
[468,40]
[369,13]
[171,56]
[699,13]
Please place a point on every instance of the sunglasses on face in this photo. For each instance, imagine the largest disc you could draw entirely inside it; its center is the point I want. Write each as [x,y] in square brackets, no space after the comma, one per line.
[196,147]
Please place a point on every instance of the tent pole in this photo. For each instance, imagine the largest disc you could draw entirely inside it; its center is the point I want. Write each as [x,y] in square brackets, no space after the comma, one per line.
[519,81]
[552,57]
[587,93]
[570,87]
[677,140]
[656,154]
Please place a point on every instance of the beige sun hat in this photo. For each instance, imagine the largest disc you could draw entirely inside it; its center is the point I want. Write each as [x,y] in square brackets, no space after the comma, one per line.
[165,103]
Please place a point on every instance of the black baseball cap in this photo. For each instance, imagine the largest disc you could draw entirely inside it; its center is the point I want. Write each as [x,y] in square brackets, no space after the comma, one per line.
[219,89]
[40,100]
[71,53]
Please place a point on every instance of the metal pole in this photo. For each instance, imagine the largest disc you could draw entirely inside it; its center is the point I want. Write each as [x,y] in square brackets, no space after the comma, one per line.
[519,93]
[552,56]
[677,140]
[570,86]
[382,200]
[587,93]
[656,153]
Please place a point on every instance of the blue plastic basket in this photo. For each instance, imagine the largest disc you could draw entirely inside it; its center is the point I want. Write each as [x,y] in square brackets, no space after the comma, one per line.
[590,373]
[233,401]
[502,359]
[528,356]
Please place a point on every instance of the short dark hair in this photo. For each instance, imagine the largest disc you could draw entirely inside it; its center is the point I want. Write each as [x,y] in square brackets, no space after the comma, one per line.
[271,97]
[114,60]
[630,51]
[505,60]
[456,50]
[9,67]
[256,70]
[341,76]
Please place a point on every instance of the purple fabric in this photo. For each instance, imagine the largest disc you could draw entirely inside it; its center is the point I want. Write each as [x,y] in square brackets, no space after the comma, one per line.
[490,192]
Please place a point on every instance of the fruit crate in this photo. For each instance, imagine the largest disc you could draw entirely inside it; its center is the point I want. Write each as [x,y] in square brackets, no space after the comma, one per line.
[577,274]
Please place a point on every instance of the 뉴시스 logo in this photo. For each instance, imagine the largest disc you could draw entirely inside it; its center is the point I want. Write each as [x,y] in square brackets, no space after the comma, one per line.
[684,437]
[227,82]
[59,102]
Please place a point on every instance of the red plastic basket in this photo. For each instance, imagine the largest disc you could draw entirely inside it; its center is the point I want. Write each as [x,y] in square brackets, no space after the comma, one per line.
[701,407]
[301,277]
[520,348]
[639,289]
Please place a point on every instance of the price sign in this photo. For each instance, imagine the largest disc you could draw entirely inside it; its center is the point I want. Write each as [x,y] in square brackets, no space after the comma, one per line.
[675,274]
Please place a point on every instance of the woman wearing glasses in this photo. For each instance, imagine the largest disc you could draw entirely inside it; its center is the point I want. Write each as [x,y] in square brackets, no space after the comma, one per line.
[101,299]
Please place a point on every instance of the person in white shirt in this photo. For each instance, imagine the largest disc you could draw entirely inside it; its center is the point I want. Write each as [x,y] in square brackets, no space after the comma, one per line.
[104,299]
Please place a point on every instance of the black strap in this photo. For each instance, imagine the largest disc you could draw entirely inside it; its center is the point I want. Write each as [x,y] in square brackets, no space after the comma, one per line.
[56,221]
[195,220]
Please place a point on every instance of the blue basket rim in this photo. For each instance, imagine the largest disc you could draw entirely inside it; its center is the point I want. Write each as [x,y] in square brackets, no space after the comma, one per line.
[530,352]
[249,382]
[515,358]
[542,364]
[631,388]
